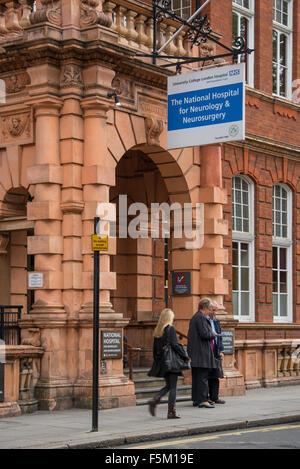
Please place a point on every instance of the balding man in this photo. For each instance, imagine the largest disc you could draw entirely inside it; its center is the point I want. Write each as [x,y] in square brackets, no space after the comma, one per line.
[200,339]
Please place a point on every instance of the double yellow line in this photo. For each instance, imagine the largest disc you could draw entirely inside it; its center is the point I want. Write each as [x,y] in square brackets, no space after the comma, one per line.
[214,437]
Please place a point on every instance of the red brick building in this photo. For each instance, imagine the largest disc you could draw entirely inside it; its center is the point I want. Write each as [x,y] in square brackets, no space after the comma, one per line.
[65,146]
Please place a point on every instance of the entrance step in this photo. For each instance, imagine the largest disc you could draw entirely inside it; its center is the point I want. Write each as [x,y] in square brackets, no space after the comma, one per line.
[146,387]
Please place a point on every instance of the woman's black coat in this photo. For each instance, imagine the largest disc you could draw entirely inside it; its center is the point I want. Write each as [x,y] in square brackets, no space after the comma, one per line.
[170,336]
[200,336]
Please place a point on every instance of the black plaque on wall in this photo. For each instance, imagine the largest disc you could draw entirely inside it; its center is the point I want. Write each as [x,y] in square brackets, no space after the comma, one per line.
[2,382]
[228,342]
[111,344]
[181,283]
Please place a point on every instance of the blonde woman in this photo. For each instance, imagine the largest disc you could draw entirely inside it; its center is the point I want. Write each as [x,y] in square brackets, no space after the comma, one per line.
[165,333]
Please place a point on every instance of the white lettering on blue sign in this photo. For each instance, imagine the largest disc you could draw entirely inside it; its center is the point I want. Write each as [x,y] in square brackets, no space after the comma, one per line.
[206,107]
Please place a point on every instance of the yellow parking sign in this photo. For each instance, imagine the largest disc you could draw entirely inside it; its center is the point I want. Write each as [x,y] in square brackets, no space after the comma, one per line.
[99,243]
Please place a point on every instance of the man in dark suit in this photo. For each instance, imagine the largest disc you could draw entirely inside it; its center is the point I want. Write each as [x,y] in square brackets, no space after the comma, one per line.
[218,349]
[200,351]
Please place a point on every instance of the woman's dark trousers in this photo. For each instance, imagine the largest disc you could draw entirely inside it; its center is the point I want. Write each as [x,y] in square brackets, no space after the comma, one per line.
[171,385]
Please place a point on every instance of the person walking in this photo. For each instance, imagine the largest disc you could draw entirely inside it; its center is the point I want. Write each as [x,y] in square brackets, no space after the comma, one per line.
[165,333]
[200,338]
[218,350]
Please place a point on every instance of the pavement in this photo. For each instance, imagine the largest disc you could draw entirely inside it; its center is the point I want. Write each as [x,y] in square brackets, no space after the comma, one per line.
[71,429]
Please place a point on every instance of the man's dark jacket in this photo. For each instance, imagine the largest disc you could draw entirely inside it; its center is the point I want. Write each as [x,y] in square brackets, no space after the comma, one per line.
[200,336]
[218,344]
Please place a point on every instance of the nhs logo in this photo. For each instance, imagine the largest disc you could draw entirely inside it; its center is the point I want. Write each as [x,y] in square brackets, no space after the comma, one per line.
[234,72]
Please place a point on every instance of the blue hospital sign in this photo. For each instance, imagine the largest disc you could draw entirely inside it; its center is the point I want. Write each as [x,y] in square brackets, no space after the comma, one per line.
[206,107]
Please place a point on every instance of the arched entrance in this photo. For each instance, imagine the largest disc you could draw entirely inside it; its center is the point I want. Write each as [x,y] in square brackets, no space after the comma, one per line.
[144,264]
[14,261]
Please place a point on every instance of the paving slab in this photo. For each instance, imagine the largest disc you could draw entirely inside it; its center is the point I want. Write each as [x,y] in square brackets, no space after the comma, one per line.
[72,428]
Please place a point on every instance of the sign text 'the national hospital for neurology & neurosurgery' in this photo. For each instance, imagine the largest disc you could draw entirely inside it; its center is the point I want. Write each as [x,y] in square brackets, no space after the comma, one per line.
[206,107]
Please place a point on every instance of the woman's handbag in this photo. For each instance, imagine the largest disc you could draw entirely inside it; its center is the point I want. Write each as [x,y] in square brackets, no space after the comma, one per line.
[173,362]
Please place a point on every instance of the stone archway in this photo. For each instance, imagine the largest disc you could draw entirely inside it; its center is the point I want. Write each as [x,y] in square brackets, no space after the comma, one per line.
[150,174]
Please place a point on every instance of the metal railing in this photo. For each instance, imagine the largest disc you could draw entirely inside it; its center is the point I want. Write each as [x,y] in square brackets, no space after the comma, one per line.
[10,331]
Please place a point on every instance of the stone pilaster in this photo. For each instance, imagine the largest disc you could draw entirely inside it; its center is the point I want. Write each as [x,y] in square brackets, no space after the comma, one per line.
[213,256]
[98,177]
[47,242]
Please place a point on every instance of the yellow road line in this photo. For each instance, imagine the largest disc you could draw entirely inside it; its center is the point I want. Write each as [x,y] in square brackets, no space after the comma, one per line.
[214,437]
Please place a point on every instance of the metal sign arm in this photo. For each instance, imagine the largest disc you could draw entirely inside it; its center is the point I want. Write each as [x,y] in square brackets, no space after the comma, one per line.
[182,27]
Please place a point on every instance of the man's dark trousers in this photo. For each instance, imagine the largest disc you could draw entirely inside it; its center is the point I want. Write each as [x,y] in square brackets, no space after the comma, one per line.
[213,389]
[199,384]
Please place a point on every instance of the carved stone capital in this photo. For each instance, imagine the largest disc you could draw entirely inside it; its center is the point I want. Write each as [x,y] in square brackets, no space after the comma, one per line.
[16,82]
[4,240]
[154,128]
[71,76]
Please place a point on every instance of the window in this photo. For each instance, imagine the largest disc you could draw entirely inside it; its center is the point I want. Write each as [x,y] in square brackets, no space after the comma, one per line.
[282,47]
[182,8]
[282,253]
[243,248]
[243,26]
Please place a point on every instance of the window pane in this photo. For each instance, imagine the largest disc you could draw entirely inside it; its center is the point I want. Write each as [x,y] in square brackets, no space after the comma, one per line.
[274,258]
[235,258]
[275,305]
[245,279]
[245,304]
[235,303]
[275,280]
[235,22]
[235,278]
[238,226]
[283,305]
[283,284]
[244,254]
[246,226]
[282,258]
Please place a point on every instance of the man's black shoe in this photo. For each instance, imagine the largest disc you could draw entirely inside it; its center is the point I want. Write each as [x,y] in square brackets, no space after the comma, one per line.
[219,401]
[195,404]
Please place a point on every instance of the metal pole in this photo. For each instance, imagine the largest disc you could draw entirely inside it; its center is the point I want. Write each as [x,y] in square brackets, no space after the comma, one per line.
[182,27]
[154,32]
[95,396]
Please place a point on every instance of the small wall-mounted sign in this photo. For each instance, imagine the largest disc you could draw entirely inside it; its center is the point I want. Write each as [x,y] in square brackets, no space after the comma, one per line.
[99,243]
[181,283]
[103,368]
[228,342]
[111,344]
[35,280]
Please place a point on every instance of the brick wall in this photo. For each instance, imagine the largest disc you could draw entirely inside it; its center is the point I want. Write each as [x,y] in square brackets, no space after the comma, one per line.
[265,171]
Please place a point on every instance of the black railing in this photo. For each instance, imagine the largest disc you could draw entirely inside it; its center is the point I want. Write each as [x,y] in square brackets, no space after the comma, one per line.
[10,331]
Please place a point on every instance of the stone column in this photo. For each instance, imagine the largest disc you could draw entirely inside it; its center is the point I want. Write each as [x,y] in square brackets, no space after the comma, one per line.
[97,177]
[213,255]
[47,242]
[54,389]
[71,146]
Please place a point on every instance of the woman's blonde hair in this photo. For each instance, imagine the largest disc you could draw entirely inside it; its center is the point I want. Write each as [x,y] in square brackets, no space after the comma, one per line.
[166,318]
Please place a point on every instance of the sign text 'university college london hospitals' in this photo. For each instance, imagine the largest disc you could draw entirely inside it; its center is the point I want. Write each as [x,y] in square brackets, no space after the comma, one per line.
[206,107]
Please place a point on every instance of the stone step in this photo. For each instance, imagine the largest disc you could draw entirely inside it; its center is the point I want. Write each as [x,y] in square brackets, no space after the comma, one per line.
[138,372]
[147,393]
[152,382]
[165,400]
